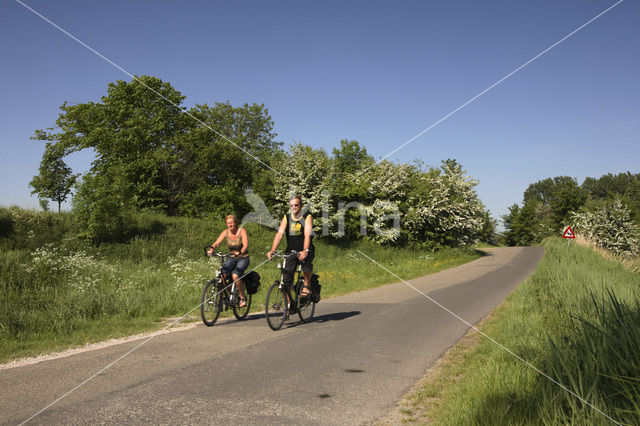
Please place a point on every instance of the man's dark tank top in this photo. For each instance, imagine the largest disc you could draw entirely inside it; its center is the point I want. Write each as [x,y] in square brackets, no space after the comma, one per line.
[295,233]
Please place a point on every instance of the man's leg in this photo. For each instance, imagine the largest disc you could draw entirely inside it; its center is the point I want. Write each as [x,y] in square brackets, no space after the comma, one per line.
[307,271]
[307,283]
[289,271]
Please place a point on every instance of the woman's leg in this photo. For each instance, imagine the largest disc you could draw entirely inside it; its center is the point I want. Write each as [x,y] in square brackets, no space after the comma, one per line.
[239,271]
[239,284]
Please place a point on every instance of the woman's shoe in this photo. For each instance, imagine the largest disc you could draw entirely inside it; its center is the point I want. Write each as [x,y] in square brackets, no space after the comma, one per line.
[242,303]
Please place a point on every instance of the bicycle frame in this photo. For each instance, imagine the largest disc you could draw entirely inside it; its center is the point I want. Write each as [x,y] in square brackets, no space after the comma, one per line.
[298,277]
[221,294]
[228,291]
[275,312]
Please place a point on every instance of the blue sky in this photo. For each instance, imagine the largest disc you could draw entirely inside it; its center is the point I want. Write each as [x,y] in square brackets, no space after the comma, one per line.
[378,72]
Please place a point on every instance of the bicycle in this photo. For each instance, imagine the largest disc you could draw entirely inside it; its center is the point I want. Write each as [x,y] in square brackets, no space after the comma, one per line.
[280,304]
[218,295]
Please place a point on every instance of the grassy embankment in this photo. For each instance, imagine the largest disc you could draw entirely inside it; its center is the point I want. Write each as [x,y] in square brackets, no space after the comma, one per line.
[59,292]
[577,319]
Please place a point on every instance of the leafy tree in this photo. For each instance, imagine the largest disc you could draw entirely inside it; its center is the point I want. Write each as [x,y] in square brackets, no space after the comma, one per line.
[304,171]
[608,187]
[488,232]
[547,208]
[349,161]
[55,178]
[219,164]
[442,207]
[104,206]
[195,164]
[527,225]
[561,194]
[131,129]
[610,226]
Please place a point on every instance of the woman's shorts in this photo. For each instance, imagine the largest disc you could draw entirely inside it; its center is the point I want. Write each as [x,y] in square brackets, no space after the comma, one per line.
[235,265]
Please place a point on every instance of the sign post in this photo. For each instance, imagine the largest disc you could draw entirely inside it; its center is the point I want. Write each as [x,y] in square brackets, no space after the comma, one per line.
[569,235]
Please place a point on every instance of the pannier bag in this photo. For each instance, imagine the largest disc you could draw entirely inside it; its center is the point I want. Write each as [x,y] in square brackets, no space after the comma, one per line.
[315,288]
[252,282]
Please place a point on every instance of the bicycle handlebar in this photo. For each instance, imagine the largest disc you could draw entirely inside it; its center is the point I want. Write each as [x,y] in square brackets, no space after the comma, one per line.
[283,255]
[216,253]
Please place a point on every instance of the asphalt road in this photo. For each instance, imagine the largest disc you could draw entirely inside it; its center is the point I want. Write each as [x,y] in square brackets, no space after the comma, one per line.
[349,366]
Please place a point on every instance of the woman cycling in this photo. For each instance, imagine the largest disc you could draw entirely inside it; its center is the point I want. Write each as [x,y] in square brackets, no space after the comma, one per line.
[238,245]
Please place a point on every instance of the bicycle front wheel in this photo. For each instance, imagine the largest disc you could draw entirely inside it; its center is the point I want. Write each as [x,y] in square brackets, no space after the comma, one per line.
[306,307]
[211,303]
[241,313]
[275,309]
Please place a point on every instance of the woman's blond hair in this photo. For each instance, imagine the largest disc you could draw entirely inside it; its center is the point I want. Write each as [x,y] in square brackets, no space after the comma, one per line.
[231,216]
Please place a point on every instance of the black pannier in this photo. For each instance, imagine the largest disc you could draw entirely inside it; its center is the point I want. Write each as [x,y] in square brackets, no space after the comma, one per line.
[315,288]
[252,282]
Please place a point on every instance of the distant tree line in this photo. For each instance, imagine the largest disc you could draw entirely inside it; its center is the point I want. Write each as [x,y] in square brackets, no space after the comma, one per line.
[552,204]
[152,153]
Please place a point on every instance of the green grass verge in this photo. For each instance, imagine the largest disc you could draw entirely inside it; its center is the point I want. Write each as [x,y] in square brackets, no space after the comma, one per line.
[577,319]
[60,292]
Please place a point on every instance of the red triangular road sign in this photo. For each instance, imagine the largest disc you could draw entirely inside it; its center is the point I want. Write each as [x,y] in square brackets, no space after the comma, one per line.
[568,233]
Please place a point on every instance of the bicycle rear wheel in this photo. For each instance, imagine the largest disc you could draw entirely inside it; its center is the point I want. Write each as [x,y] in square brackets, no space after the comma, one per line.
[211,303]
[241,313]
[275,309]
[306,307]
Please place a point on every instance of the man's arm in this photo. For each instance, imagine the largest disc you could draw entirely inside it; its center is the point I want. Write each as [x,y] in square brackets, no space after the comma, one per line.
[308,231]
[278,237]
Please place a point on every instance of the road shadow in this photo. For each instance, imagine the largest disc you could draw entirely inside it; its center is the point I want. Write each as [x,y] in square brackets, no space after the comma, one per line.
[294,321]
[482,252]
[336,316]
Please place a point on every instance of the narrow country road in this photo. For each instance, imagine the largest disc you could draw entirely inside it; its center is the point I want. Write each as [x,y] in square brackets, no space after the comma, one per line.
[349,366]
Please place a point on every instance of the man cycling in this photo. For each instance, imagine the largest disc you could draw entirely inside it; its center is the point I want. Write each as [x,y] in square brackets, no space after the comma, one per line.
[298,228]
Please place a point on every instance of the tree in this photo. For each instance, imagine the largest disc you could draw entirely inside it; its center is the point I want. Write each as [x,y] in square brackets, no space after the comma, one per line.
[216,166]
[610,226]
[488,232]
[561,194]
[196,164]
[104,205]
[527,225]
[306,172]
[442,207]
[607,187]
[131,129]
[348,162]
[55,180]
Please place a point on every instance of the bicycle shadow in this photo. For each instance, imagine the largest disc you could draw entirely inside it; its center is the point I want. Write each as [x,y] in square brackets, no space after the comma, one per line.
[336,316]
[294,321]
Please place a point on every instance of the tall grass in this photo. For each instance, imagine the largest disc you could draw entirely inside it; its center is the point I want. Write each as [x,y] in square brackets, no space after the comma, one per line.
[577,319]
[58,291]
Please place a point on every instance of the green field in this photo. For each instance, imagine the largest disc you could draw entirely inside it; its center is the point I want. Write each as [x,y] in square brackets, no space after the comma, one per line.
[60,292]
[577,320]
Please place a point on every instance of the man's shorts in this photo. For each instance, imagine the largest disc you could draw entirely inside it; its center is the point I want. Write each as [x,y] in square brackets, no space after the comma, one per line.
[307,264]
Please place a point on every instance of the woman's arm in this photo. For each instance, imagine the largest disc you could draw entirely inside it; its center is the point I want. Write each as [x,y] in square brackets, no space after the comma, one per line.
[219,240]
[245,241]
